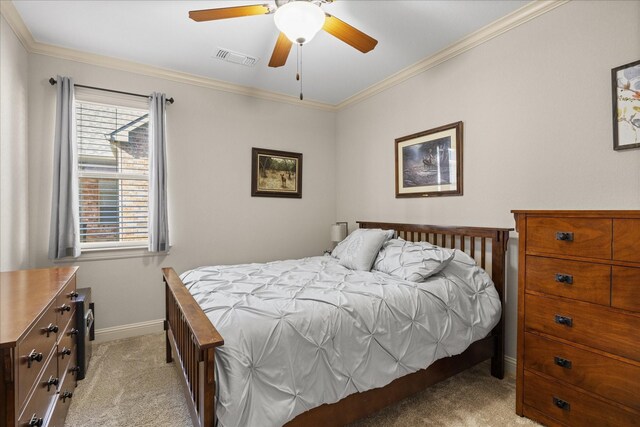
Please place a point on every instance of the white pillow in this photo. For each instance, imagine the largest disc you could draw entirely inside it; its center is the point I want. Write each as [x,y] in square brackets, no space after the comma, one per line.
[340,247]
[360,248]
[413,261]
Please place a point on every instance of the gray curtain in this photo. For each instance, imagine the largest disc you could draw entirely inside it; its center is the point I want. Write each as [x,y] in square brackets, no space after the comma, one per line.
[64,235]
[158,221]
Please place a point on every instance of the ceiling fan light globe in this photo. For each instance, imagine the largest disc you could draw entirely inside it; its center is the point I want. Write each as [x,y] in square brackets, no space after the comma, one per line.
[299,20]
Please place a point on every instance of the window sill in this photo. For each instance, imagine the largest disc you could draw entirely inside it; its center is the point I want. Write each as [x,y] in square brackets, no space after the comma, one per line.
[105,254]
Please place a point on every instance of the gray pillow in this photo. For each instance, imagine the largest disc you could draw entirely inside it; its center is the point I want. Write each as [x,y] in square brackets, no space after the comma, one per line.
[360,248]
[413,261]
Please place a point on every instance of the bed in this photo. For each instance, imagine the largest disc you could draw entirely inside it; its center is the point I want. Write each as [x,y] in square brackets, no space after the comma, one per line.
[193,340]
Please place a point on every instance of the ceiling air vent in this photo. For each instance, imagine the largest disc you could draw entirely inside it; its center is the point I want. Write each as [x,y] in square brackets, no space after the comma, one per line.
[235,57]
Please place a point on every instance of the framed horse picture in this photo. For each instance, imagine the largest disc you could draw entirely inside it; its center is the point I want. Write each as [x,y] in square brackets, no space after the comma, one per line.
[276,173]
[429,163]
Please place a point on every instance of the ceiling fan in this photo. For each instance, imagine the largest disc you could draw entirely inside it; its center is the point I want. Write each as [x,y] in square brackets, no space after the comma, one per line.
[298,22]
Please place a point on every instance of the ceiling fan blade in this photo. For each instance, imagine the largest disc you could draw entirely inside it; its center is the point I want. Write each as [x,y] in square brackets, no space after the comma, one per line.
[229,12]
[348,34]
[280,51]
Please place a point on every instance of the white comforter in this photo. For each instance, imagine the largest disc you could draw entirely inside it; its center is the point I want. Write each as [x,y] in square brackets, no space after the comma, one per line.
[300,333]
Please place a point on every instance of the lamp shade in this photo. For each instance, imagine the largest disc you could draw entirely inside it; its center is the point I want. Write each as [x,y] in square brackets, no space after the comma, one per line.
[338,232]
[299,20]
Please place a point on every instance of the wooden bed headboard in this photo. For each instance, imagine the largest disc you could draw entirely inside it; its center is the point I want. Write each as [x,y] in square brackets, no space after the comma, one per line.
[480,243]
[464,238]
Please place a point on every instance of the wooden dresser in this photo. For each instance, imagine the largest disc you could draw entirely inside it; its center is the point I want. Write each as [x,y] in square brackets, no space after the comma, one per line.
[579,317]
[37,346]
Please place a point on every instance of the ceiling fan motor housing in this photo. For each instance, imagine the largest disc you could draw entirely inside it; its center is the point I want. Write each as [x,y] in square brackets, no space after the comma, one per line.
[299,20]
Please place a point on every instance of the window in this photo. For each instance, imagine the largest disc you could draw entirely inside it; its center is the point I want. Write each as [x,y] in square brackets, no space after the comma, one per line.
[113,173]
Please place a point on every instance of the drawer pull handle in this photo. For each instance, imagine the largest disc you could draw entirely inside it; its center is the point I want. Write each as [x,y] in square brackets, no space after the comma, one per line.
[562,404]
[564,278]
[51,328]
[35,421]
[65,352]
[564,236]
[73,332]
[63,308]
[562,362]
[66,395]
[74,370]
[51,381]
[563,320]
[33,357]
[73,295]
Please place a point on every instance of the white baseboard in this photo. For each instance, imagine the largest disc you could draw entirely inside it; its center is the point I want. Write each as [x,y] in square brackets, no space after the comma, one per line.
[510,365]
[130,330]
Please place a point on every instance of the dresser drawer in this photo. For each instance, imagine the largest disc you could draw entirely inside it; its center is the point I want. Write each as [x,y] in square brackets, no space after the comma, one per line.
[571,279]
[63,400]
[589,324]
[66,351]
[69,337]
[570,236]
[65,302]
[572,407]
[610,378]
[626,240]
[43,396]
[625,288]
[39,345]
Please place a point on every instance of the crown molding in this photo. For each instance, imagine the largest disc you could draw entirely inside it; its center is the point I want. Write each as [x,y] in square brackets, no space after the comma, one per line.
[13,18]
[524,14]
[167,74]
[486,33]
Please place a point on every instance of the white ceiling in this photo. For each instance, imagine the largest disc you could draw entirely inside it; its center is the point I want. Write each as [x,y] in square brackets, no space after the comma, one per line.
[160,33]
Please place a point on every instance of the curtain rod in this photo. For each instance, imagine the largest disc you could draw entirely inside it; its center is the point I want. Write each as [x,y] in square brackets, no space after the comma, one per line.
[53,81]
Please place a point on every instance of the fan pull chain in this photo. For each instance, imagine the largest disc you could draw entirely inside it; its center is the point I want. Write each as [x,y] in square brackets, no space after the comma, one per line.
[298,62]
[299,65]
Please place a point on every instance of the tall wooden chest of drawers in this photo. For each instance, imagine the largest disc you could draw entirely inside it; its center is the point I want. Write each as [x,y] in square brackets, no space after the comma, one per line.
[579,317]
[37,346]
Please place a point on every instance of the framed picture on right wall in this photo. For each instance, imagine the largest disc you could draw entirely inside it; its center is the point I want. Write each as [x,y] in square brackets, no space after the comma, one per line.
[429,163]
[625,85]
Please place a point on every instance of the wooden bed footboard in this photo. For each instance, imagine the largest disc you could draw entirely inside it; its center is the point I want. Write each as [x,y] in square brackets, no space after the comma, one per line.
[192,339]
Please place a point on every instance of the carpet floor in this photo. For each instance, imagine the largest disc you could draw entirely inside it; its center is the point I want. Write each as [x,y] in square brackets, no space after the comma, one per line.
[129,384]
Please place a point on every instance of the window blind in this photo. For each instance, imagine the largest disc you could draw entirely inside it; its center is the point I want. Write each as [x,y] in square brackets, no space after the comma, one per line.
[113,172]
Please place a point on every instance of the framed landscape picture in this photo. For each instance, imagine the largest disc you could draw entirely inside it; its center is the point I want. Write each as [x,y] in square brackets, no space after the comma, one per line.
[625,85]
[429,163]
[276,173]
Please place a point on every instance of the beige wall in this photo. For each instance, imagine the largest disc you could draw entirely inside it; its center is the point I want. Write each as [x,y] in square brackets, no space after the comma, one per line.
[14,204]
[213,218]
[536,107]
